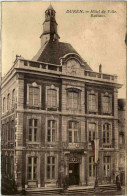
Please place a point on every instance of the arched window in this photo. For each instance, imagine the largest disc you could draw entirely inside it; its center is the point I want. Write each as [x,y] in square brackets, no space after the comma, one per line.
[4,104]
[13,97]
[8,102]
[73,131]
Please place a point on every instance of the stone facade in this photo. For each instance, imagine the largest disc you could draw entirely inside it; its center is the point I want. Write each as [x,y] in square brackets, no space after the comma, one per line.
[51,115]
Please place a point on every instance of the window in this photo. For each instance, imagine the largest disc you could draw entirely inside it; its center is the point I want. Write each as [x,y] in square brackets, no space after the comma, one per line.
[8,102]
[12,131]
[4,104]
[52,98]
[34,95]
[51,135]
[107,103]
[92,101]
[106,133]
[91,131]
[107,163]
[33,129]
[121,138]
[13,97]
[50,167]
[32,168]
[73,131]
[73,100]
[91,167]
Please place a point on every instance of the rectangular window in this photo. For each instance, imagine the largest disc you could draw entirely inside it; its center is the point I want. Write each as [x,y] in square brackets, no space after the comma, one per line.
[52,98]
[32,168]
[107,166]
[73,131]
[51,167]
[91,131]
[106,133]
[12,131]
[91,167]
[73,100]
[34,96]
[51,133]
[107,104]
[33,130]
[92,102]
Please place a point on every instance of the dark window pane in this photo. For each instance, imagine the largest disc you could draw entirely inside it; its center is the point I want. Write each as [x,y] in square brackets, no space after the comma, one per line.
[35,122]
[30,122]
[29,160]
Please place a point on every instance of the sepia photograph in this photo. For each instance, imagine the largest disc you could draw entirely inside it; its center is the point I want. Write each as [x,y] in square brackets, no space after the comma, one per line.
[63,98]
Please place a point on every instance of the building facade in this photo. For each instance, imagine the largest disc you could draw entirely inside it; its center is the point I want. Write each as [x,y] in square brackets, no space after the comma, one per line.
[53,108]
[121,128]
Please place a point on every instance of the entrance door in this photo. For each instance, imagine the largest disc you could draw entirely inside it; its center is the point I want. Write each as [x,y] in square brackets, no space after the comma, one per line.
[73,173]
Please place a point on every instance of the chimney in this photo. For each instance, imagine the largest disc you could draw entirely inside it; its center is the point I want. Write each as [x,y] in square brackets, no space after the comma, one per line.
[100,68]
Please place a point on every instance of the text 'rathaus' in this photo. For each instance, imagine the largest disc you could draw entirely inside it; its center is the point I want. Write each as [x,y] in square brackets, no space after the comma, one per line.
[59,117]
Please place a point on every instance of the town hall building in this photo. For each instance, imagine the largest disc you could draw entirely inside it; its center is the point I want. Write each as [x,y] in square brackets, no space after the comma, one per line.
[59,117]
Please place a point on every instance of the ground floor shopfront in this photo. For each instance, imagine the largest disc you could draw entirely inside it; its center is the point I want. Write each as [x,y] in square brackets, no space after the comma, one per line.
[51,168]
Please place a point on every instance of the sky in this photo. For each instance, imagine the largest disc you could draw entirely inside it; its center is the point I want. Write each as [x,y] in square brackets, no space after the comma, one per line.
[98,40]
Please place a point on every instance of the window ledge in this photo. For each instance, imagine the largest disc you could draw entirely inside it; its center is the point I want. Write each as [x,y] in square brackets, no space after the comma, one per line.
[32,143]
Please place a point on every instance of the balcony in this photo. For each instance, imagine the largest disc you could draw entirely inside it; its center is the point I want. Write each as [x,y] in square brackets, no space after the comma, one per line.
[75,146]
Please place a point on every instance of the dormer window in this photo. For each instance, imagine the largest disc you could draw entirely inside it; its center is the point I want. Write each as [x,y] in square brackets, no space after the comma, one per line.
[33,95]
[52,97]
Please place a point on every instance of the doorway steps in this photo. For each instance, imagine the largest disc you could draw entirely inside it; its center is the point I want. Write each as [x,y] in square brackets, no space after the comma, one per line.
[72,190]
[43,191]
[90,190]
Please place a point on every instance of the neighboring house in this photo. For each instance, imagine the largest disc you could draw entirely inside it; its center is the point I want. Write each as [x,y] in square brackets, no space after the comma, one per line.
[121,127]
[53,107]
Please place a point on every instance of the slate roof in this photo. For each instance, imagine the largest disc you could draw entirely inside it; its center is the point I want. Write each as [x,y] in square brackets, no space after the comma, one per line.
[53,50]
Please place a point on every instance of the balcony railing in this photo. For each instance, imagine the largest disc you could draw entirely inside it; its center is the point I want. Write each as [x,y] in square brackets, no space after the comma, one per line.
[75,146]
[52,68]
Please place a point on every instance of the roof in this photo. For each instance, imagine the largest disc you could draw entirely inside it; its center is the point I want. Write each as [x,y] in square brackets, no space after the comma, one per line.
[53,50]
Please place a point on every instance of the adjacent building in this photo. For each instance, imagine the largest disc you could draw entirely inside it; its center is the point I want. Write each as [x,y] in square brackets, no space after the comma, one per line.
[121,128]
[53,108]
